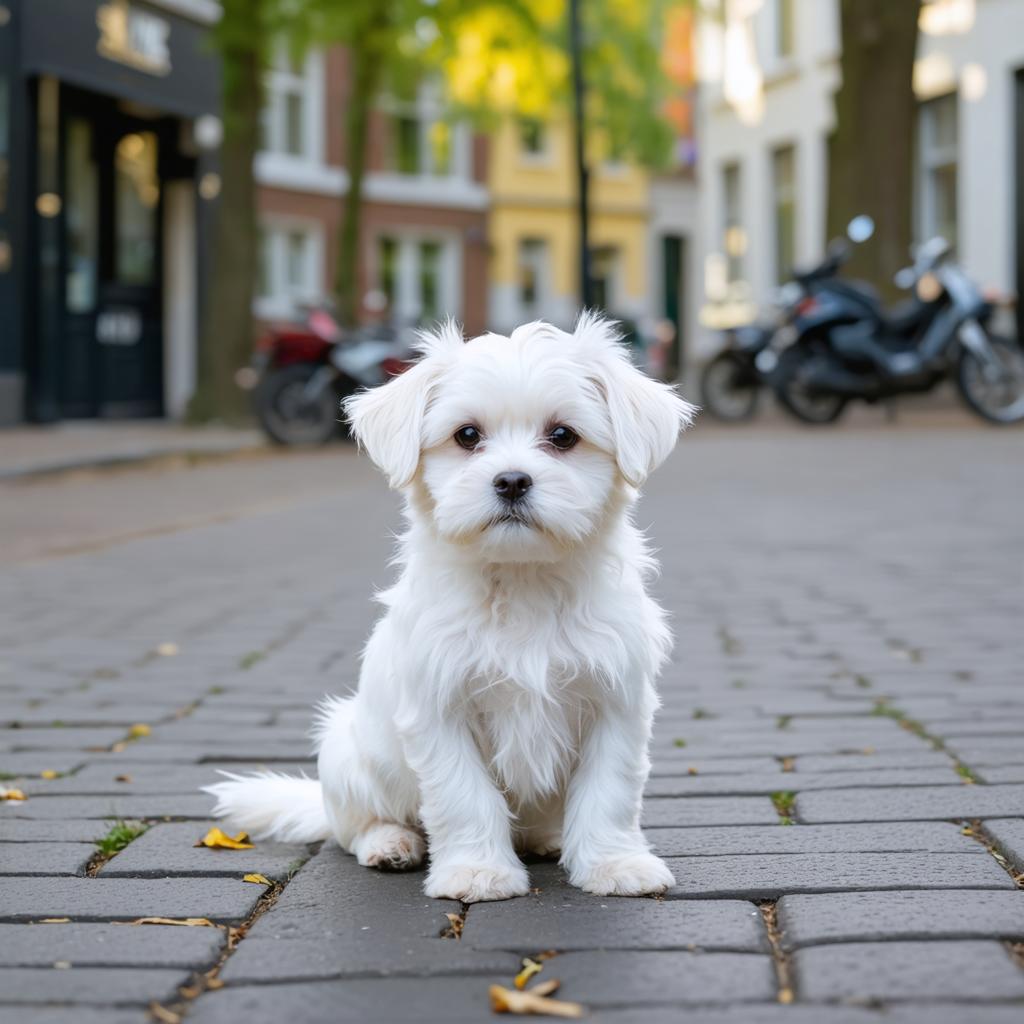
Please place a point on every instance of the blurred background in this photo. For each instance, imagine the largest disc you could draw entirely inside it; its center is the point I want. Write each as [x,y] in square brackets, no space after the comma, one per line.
[178,176]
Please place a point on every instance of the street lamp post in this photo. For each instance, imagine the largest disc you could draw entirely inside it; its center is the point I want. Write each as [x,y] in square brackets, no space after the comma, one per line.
[582,172]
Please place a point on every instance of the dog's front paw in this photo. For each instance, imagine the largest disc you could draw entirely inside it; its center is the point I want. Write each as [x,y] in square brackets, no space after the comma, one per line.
[633,874]
[476,884]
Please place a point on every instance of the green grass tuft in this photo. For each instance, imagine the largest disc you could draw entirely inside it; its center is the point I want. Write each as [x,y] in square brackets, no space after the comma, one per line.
[120,835]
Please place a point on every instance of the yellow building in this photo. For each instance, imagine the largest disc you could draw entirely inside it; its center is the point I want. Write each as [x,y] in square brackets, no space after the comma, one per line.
[533,229]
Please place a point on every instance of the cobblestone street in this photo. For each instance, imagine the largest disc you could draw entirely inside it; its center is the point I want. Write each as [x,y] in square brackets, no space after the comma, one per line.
[838,778]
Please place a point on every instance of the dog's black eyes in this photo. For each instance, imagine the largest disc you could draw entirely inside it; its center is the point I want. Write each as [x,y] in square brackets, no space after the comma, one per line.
[563,438]
[468,437]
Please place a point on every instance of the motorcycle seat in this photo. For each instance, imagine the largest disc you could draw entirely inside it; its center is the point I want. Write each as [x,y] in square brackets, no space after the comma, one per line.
[902,319]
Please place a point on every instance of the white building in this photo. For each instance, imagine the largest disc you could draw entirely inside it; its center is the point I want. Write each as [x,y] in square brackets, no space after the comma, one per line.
[769,70]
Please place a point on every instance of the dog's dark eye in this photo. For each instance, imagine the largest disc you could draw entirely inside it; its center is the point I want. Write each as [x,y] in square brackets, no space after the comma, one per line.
[468,437]
[562,437]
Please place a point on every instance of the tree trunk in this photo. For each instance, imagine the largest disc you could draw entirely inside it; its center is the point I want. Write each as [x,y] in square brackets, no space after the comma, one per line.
[367,64]
[227,331]
[871,161]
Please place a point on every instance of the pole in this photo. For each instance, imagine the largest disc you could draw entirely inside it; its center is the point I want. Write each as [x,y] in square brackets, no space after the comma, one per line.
[582,173]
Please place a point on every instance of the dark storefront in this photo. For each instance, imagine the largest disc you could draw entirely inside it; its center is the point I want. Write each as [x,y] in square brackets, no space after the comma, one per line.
[103,106]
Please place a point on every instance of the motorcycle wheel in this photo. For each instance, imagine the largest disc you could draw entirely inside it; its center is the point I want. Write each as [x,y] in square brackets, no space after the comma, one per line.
[796,399]
[729,388]
[286,417]
[999,400]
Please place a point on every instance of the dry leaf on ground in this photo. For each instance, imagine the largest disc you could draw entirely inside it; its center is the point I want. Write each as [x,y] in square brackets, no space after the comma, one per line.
[163,1015]
[259,879]
[49,773]
[167,650]
[138,730]
[456,922]
[12,794]
[535,1000]
[186,922]
[530,968]
[215,839]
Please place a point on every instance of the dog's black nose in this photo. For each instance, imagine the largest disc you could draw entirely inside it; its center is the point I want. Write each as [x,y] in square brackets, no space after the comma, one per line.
[512,486]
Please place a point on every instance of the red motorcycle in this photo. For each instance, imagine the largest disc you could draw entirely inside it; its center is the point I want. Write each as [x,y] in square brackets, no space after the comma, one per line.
[301,372]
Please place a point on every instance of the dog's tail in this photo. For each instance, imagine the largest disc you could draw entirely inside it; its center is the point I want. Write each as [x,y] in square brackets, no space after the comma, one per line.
[272,806]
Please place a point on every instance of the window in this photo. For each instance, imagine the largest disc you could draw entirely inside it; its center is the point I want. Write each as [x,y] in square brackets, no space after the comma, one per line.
[136,196]
[532,275]
[533,137]
[419,144]
[604,262]
[785,29]
[734,238]
[937,184]
[81,217]
[291,111]
[784,209]
[290,268]
[418,277]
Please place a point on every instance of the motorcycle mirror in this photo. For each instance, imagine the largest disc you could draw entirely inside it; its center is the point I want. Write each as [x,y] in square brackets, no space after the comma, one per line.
[904,278]
[860,229]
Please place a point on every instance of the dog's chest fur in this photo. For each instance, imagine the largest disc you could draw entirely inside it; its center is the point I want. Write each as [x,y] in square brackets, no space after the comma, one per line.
[541,659]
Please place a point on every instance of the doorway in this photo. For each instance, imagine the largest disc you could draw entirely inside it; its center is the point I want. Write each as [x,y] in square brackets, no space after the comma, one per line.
[673,262]
[111,344]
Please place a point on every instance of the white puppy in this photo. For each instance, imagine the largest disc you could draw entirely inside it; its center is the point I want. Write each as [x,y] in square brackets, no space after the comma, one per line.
[506,696]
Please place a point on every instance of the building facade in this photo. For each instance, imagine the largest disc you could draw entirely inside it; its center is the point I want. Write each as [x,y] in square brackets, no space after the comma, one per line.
[534,229]
[424,228]
[769,71]
[104,105]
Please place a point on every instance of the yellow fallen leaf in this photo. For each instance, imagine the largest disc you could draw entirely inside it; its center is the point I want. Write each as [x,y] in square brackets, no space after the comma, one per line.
[785,995]
[49,773]
[456,922]
[12,794]
[185,922]
[215,839]
[259,879]
[530,968]
[138,730]
[163,1015]
[167,650]
[55,920]
[509,1000]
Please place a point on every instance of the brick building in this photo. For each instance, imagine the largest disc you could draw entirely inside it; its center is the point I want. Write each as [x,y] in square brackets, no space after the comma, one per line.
[424,238]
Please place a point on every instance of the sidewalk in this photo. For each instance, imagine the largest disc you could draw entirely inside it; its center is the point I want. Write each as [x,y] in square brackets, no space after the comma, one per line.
[93,444]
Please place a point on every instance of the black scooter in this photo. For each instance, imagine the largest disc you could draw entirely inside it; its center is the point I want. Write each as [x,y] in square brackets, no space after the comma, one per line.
[850,347]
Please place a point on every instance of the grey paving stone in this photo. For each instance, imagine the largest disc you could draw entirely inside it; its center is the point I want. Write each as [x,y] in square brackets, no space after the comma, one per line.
[33,762]
[798,782]
[871,762]
[386,951]
[20,830]
[686,811]
[763,876]
[43,858]
[71,1015]
[1001,773]
[169,849]
[88,986]
[1008,836]
[108,945]
[906,971]
[862,837]
[911,804]
[194,805]
[366,1001]
[58,738]
[768,1013]
[712,765]
[876,916]
[631,978]
[125,899]
[566,919]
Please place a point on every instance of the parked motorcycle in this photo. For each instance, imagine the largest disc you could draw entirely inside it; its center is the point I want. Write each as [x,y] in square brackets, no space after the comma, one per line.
[850,347]
[731,382]
[303,371]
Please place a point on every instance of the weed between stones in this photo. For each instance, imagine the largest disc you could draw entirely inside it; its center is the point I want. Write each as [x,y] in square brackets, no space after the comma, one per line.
[783,976]
[121,834]
[784,801]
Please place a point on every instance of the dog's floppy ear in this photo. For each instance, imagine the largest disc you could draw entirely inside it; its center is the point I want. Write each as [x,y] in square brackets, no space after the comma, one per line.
[646,415]
[388,420]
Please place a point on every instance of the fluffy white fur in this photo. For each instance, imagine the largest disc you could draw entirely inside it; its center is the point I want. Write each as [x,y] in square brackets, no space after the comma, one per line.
[506,695]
